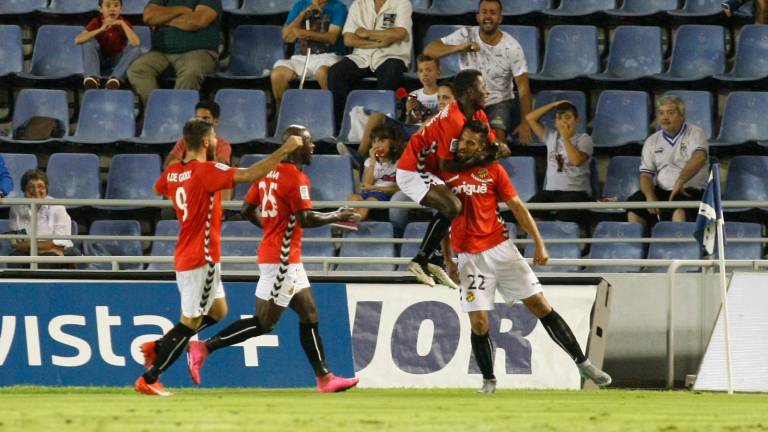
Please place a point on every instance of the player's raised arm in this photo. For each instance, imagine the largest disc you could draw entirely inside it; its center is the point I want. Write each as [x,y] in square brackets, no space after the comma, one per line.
[525,220]
[264,166]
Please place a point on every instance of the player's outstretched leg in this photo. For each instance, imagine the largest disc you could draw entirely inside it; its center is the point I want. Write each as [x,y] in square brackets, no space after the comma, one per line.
[174,343]
[239,331]
[151,348]
[312,344]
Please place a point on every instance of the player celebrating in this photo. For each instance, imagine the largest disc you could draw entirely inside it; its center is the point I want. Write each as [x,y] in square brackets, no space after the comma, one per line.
[489,261]
[281,204]
[418,167]
[193,186]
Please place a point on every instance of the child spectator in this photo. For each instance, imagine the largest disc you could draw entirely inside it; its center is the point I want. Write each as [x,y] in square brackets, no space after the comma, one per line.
[109,46]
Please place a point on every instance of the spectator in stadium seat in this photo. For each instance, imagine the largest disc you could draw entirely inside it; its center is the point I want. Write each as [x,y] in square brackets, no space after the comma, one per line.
[674,165]
[6,182]
[210,112]
[185,37]
[109,46]
[568,155]
[51,219]
[326,19]
[501,60]
[380,33]
[759,9]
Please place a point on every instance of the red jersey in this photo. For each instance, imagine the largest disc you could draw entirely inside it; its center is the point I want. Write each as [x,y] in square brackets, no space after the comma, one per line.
[113,40]
[281,194]
[439,135]
[194,187]
[479,227]
[223,150]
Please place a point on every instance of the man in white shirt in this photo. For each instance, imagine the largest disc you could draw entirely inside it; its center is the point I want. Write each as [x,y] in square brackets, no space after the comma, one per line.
[501,60]
[674,164]
[380,33]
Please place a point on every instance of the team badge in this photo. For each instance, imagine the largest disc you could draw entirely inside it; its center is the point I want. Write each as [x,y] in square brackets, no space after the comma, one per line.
[290,290]
[482,175]
[470,297]
[304,192]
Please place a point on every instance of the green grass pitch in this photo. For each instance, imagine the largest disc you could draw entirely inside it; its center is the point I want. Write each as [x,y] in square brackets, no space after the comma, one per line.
[101,409]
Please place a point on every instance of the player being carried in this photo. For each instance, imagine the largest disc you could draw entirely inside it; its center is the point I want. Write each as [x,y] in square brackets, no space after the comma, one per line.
[194,185]
[418,168]
[281,204]
[489,261]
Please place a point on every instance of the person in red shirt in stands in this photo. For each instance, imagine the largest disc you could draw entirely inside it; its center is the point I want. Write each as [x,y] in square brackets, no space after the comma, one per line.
[280,203]
[193,186]
[109,46]
[488,260]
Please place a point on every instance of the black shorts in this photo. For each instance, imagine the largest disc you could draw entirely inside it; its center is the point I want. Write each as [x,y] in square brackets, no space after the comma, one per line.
[663,195]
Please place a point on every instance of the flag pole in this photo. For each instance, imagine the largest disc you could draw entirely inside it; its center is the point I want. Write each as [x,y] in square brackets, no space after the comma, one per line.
[724,300]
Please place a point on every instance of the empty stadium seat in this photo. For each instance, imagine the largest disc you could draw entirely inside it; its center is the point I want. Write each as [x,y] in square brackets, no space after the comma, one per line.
[751,63]
[164,247]
[166,113]
[70,7]
[55,56]
[617,250]
[312,109]
[317,249]
[368,229]
[133,176]
[698,9]
[516,8]
[550,230]
[230,5]
[11,51]
[413,231]
[145,34]
[578,98]
[635,53]
[331,177]
[571,53]
[683,249]
[74,175]
[528,38]
[255,49]
[449,8]
[17,164]
[243,115]
[522,172]
[622,180]
[246,160]
[747,180]
[743,120]
[698,54]
[382,101]
[621,117]
[580,8]
[106,116]
[114,247]
[262,7]
[239,229]
[699,109]
[37,102]
[738,250]
[134,7]
[21,7]
[642,8]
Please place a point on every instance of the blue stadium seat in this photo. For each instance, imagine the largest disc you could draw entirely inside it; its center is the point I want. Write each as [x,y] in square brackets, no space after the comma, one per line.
[557,229]
[243,115]
[517,8]
[571,53]
[114,247]
[331,177]
[370,250]
[751,63]
[106,117]
[164,247]
[11,51]
[239,229]
[5,245]
[312,109]
[262,7]
[246,160]
[741,230]
[621,117]
[548,96]
[316,249]
[70,7]
[255,49]
[698,9]
[449,8]
[622,180]
[528,37]
[145,34]
[678,250]
[37,102]
[17,164]
[699,109]
[21,7]
[698,54]
[449,65]
[635,53]
[382,101]
[230,5]
[512,230]
[746,180]
[55,56]
[522,172]
[617,250]
[581,8]
[74,175]
[743,121]
[643,8]
[165,115]
[133,176]
[413,231]
[134,7]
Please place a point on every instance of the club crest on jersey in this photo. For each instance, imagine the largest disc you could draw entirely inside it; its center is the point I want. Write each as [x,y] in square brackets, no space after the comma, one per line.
[304,192]
[470,297]
[482,175]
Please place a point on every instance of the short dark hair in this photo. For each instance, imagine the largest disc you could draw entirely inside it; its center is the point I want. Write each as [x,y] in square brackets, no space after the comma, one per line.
[33,174]
[292,130]
[102,1]
[194,131]
[501,6]
[395,134]
[478,127]
[566,107]
[464,81]
[446,83]
[421,58]
[211,106]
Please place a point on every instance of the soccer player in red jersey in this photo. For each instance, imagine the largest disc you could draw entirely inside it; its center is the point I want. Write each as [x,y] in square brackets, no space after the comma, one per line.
[281,204]
[488,260]
[419,166]
[194,185]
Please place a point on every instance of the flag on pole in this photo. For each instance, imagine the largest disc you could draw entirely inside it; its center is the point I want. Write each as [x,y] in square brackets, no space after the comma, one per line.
[710,211]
